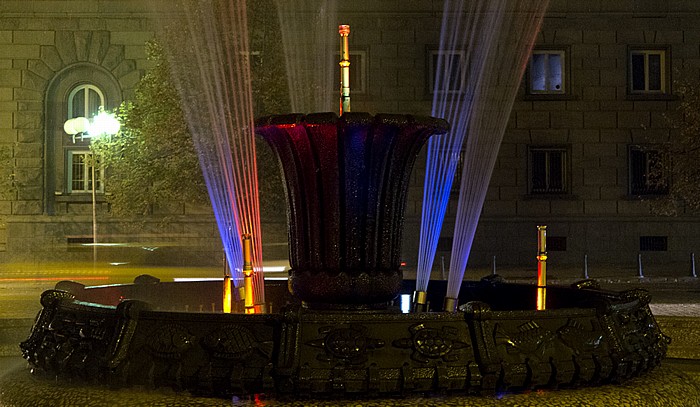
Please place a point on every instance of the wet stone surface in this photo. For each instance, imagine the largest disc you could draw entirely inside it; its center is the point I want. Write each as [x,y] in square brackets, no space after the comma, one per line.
[663,386]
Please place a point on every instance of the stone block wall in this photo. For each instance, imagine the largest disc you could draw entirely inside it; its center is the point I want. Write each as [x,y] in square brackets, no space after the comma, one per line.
[596,122]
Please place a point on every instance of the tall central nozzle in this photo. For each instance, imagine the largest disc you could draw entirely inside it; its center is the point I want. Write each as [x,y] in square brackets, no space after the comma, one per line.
[344,31]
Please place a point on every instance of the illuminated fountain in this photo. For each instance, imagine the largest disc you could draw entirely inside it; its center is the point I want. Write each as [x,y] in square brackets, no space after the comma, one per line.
[341,333]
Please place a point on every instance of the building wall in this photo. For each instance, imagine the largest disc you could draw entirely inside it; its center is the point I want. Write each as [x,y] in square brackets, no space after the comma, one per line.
[597,122]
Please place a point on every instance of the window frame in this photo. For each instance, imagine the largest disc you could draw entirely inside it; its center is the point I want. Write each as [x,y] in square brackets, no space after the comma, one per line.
[78,147]
[647,191]
[664,71]
[563,54]
[86,102]
[431,70]
[357,69]
[99,172]
[565,171]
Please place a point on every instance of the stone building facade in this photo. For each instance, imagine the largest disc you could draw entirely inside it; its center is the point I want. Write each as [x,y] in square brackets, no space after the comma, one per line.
[586,134]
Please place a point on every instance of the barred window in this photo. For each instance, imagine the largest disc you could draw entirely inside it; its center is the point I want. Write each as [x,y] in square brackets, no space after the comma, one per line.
[80,174]
[647,172]
[548,170]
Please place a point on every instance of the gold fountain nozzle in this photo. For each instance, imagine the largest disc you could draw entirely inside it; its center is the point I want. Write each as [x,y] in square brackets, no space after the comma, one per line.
[420,299]
[227,294]
[541,268]
[248,274]
[344,31]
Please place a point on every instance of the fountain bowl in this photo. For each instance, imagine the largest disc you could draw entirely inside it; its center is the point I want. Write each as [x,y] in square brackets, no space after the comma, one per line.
[153,334]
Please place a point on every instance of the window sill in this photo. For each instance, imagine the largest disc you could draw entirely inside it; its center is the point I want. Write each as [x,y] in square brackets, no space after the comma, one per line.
[548,96]
[651,96]
[641,197]
[80,198]
[551,197]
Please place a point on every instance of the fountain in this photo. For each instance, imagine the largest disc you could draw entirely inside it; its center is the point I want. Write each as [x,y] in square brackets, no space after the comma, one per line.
[346,182]
[339,332]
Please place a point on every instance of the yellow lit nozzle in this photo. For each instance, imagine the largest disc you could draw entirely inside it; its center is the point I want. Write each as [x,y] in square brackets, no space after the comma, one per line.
[248,274]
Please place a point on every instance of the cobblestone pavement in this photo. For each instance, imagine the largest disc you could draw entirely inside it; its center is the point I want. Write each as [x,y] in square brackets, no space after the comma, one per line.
[674,383]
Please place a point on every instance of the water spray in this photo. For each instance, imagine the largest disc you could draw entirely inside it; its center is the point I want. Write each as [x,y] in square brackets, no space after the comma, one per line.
[639,266]
[344,31]
[541,267]
[585,266]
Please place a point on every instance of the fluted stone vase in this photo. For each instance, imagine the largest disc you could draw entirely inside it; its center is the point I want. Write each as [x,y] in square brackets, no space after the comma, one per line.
[346,182]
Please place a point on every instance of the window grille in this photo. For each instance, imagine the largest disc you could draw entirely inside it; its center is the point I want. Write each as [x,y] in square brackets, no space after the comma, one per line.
[647,174]
[548,171]
[653,243]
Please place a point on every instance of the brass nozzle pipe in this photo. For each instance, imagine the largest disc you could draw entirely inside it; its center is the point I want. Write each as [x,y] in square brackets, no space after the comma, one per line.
[449,304]
[344,31]
[541,268]
[420,298]
[248,274]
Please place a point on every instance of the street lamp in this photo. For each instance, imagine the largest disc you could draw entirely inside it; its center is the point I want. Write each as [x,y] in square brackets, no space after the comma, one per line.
[103,124]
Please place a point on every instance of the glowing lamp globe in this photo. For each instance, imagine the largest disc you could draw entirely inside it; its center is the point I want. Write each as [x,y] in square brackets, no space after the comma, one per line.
[104,123]
[76,125]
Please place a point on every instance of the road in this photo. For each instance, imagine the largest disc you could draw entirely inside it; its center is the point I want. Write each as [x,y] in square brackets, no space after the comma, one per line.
[21,285]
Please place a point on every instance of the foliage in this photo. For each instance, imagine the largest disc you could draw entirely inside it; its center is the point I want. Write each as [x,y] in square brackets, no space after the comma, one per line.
[8,187]
[683,167]
[153,159]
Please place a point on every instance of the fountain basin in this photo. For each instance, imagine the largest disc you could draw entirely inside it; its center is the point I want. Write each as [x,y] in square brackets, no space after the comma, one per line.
[492,345]
[346,180]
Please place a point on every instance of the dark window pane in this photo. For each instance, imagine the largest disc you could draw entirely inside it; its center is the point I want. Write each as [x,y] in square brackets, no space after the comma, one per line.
[556,243]
[647,175]
[637,171]
[555,172]
[539,171]
[537,73]
[638,72]
[447,67]
[94,103]
[554,82]
[654,72]
[653,243]
[79,103]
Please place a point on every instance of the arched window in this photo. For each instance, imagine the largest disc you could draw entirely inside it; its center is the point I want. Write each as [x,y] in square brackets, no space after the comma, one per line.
[77,90]
[82,167]
[85,100]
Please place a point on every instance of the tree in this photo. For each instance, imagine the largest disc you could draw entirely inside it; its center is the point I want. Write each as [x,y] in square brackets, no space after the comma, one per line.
[153,159]
[682,168]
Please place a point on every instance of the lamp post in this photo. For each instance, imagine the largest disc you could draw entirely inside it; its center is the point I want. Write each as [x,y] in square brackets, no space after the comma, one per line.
[102,124]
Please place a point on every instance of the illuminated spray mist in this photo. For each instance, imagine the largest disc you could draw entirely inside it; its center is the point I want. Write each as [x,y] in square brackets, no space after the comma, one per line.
[309,32]
[207,45]
[485,46]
